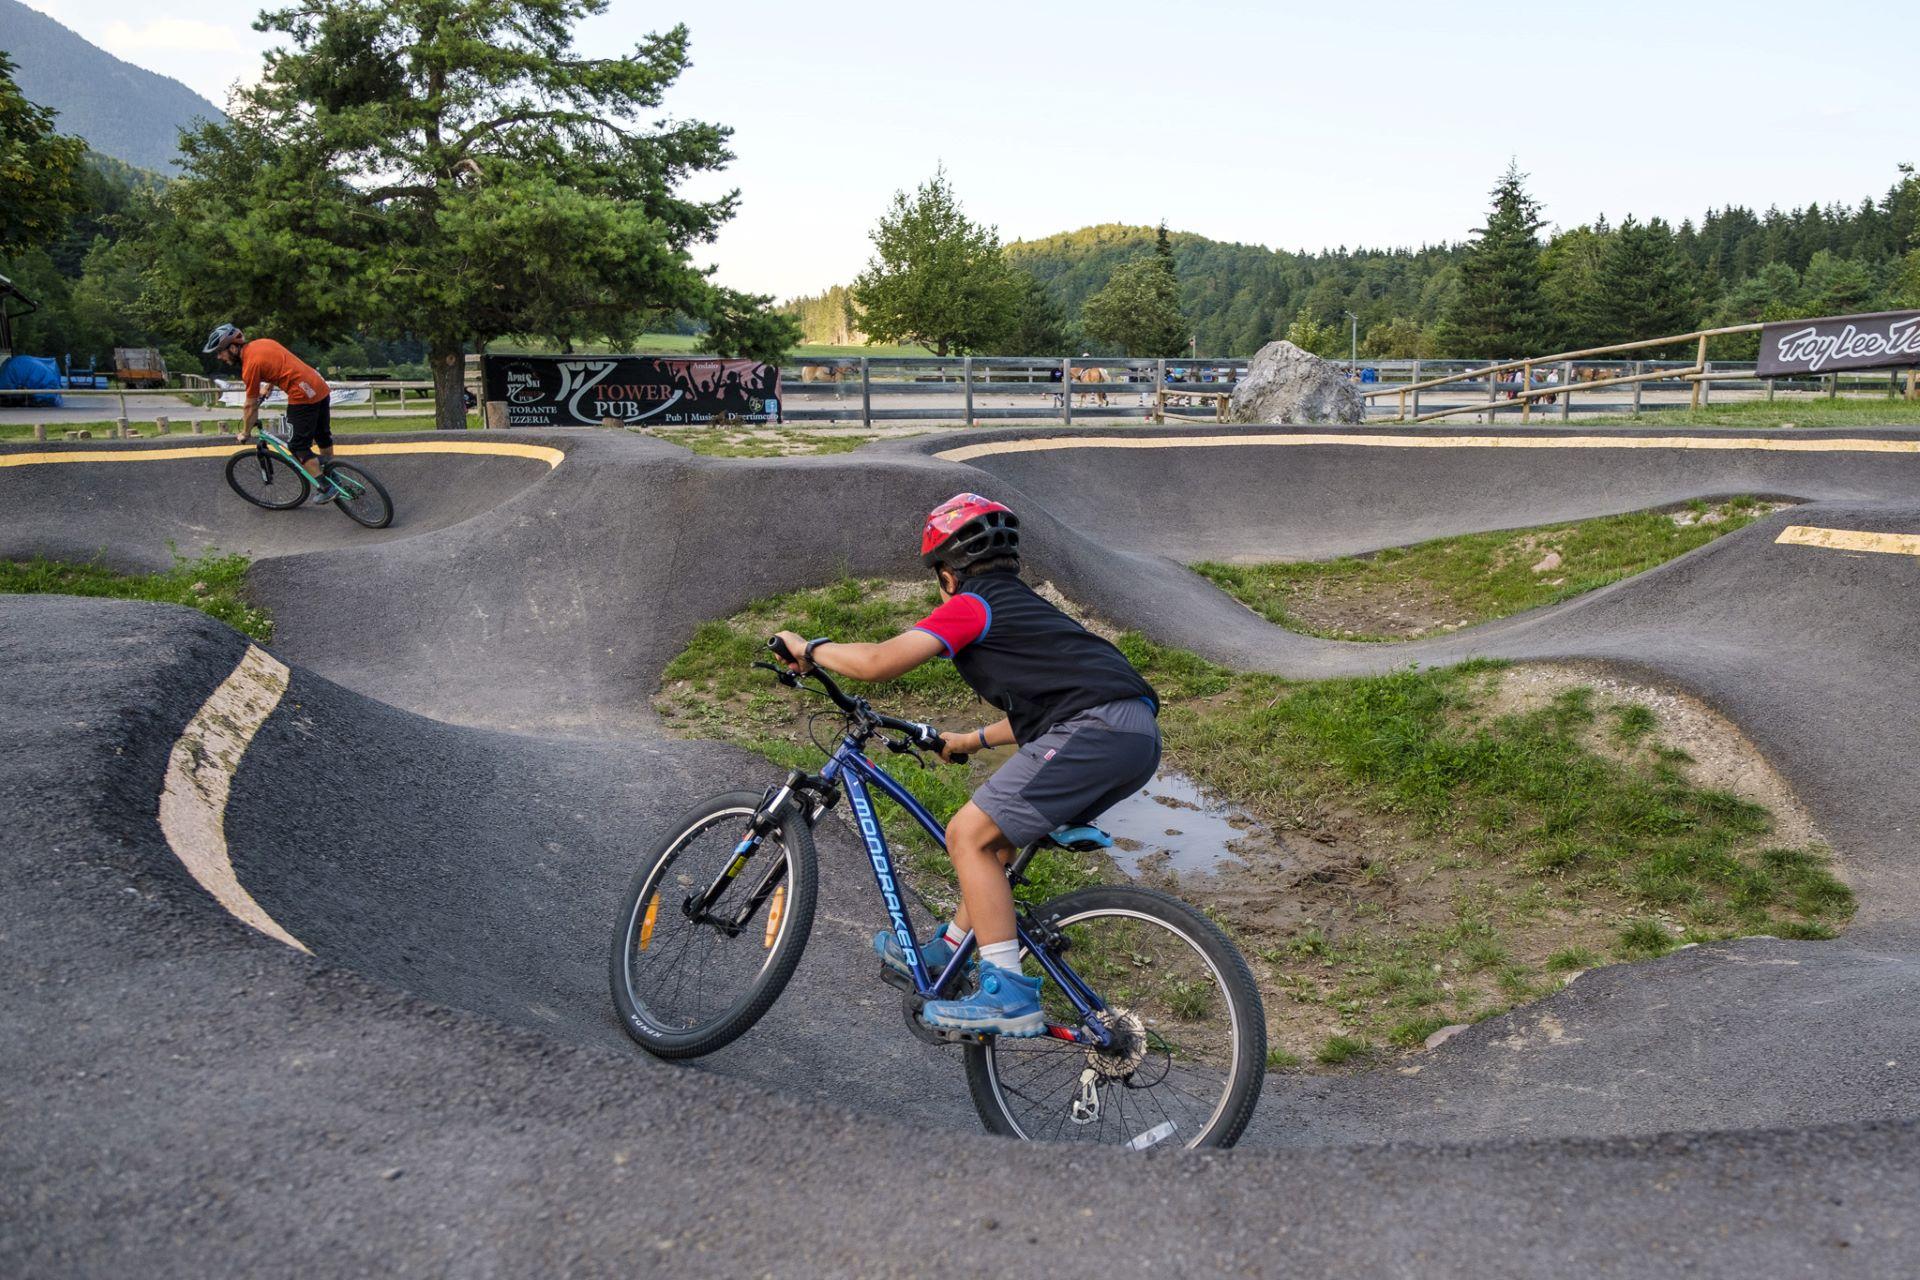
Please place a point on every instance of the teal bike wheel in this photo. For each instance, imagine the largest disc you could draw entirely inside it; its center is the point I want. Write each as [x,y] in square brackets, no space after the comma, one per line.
[267,481]
[360,496]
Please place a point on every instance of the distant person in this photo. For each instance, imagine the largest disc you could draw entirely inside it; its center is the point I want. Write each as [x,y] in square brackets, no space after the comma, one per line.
[265,363]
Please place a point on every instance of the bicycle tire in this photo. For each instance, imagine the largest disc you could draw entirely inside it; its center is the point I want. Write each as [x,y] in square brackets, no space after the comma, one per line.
[795,840]
[1249,1065]
[262,471]
[370,508]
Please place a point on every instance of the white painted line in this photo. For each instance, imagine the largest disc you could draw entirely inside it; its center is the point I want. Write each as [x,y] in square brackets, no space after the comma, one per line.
[1806,535]
[193,805]
[1774,444]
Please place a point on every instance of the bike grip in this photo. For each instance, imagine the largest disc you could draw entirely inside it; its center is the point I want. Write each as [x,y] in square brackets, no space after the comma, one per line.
[959,759]
[779,647]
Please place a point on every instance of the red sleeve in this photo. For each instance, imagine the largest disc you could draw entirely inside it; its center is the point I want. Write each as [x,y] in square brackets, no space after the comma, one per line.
[957,623]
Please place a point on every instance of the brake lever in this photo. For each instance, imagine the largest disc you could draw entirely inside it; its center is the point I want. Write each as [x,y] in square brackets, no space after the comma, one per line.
[782,674]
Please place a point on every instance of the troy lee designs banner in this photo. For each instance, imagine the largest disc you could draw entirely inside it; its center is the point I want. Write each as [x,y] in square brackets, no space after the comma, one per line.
[1882,340]
[575,391]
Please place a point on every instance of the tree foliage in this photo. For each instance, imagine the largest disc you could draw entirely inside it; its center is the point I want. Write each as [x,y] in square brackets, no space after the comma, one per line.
[1639,289]
[1139,309]
[936,277]
[41,184]
[1040,326]
[456,171]
[1499,310]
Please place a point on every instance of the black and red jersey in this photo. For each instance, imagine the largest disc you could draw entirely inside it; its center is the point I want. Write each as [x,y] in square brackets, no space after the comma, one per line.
[1027,658]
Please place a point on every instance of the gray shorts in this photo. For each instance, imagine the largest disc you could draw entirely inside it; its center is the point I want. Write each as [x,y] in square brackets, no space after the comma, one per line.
[1074,771]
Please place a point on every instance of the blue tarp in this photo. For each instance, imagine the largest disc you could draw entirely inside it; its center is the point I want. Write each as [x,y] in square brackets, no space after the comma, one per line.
[32,373]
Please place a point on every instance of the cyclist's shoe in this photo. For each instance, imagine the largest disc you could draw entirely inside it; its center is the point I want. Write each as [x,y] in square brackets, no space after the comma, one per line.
[934,953]
[322,494]
[1007,1004]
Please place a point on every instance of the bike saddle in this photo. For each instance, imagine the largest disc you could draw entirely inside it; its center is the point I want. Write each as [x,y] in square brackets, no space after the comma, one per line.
[1080,839]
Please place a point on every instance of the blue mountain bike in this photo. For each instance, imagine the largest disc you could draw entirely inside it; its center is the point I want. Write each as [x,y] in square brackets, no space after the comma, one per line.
[1155,1030]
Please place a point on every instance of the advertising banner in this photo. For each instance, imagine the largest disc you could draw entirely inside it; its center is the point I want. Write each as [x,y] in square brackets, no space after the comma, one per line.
[1881,340]
[654,391]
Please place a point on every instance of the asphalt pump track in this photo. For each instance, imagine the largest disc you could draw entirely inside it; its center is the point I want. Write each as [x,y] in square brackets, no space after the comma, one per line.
[306,944]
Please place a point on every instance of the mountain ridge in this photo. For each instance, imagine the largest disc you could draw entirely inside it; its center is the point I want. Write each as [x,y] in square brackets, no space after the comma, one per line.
[123,111]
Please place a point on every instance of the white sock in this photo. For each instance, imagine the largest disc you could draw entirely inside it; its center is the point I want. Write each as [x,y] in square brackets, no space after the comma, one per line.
[1004,954]
[953,933]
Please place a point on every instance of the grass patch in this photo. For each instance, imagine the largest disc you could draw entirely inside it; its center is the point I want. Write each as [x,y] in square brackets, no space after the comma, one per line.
[1506,842]
[1340,1050]
[1800,411]
[1402,593]
[214,584]
[722,442]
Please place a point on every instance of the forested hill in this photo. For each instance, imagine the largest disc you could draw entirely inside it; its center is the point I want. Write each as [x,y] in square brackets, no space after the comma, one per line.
[1238,296]
[1583,286]
[121,110]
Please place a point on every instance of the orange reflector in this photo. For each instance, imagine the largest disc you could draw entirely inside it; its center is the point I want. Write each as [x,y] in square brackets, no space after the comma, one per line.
[646,925]
[775,910]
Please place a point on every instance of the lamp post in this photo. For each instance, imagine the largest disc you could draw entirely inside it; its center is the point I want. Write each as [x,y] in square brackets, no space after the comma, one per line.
[1353,345]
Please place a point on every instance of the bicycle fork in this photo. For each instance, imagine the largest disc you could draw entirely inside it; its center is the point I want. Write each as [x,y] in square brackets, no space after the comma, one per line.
[698,907]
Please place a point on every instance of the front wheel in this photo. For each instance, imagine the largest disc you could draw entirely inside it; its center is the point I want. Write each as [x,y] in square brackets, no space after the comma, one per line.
[360,496]
[1189,1034]
[266,480]
[687,981]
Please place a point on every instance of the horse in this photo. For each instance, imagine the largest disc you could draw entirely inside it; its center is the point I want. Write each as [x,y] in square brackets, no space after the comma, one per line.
[1093,374]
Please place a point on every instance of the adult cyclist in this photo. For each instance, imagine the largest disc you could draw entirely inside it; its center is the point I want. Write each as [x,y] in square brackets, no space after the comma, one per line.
[265,363]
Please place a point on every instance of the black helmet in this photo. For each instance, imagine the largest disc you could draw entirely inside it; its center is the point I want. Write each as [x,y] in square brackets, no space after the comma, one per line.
[966,529]
[219,338]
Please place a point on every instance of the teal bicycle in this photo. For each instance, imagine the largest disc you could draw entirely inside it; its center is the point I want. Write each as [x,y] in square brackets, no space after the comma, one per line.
[268,475]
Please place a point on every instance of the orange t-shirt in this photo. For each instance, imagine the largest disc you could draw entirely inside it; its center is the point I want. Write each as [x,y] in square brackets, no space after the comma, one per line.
[264,362]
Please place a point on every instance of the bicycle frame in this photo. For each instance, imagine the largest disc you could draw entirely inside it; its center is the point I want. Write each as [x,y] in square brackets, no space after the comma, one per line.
[271,443]
[854,772]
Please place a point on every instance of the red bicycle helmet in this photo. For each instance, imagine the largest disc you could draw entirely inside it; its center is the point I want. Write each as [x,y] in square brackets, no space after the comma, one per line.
[966,529]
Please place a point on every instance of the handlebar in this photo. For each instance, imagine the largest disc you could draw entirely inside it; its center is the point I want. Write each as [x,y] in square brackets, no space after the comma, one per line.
[923,736]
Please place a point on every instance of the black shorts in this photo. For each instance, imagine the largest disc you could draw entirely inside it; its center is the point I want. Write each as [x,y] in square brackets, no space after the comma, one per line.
[309,425]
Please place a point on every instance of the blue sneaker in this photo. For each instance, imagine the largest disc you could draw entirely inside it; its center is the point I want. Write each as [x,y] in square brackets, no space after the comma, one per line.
[1007,1004]
[934,953]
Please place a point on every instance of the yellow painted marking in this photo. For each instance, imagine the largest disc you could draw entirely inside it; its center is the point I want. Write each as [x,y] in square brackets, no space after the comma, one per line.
[1806,535]
[1783,444]
[496,448]
[193,802]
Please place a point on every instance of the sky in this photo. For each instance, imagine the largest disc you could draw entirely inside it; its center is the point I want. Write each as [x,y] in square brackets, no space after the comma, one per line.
[1295,127]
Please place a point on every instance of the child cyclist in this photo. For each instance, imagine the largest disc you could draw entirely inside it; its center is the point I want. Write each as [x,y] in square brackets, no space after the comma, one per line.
[1083,718]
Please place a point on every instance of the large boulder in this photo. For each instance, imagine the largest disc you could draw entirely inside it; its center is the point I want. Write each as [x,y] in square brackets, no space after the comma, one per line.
[1285,384]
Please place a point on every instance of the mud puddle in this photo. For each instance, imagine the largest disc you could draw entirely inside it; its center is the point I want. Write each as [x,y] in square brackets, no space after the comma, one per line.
[1173,827]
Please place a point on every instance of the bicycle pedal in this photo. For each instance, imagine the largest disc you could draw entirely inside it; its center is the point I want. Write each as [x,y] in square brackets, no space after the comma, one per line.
[894,978]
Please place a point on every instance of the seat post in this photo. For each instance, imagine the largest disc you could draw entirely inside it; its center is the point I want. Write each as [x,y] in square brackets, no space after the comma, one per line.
[1016,870]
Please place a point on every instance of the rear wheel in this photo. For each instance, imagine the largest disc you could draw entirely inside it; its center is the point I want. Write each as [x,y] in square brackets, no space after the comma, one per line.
[685,986]
[360,496]
[1189,1048]
[267,481]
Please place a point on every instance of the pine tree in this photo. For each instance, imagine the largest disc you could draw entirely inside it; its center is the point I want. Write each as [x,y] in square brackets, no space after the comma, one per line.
[452,171]
[1641,287]
[1498,311]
